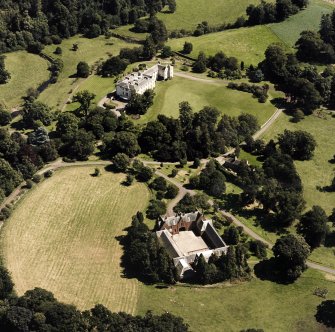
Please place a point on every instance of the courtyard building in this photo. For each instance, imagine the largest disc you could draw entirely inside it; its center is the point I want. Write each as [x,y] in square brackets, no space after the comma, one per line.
[186,237]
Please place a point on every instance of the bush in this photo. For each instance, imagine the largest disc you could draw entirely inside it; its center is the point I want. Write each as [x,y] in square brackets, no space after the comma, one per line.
[129,180]
[37,178]
[48,174]
[6,212]
[29,184]
[58,50]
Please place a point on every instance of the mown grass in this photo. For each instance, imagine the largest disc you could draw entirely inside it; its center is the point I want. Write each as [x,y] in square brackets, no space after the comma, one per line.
[256,304]
[62,237]
[91,51]
[246,44]
[199,94]
[27,71]
[191,12]
[308,19]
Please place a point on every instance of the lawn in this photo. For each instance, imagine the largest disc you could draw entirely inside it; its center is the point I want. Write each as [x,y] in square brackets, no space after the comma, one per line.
[191,12]
[62,237]
[199,94]
[125,31]
[90,50]
[27,71]
[308,19]
[257,304]
[246,44]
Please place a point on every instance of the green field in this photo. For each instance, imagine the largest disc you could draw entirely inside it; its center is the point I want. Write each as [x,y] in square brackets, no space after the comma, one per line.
[318,171]
[258,304]
[308,19]
[199,94]
[61,237]
[27,71]
[91,51]
[247,44]
[191,12]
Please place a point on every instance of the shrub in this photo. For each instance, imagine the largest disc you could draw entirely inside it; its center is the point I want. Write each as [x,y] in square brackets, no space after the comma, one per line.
[37,178]
[29,184]
[48,173]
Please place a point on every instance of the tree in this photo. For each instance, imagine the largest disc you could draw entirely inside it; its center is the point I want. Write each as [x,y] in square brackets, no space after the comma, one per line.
[36,111]
[113,66]
[67,125]
[231,235]
[172,5]
[5,117]
[139,104]
[171,191]
[166,52]
[6,284]
[144,173]
[326,313]
[121,162]
[38,137]
[313,226]
[84,98]
[81,146]
[58,50]
[258,248]
[159,184]
[298,144]
[9,178]
[290,253]
[187,48]
[149,48]
[155,209]
[4,74]
[200,65]
[124,142]
[83,69]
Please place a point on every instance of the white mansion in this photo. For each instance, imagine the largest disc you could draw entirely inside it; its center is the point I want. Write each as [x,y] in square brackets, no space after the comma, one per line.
[139,82]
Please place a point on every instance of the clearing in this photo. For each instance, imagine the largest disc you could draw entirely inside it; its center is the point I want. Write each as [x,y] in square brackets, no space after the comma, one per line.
[62,237]
[199,94]
[189,13]
[27,71]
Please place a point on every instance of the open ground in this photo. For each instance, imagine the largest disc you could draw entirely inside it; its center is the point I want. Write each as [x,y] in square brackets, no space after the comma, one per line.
[61,237]
[199,94]
[27,71]
[189,13]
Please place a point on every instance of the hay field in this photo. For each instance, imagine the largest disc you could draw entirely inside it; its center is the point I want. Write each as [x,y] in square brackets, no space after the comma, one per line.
[61,237]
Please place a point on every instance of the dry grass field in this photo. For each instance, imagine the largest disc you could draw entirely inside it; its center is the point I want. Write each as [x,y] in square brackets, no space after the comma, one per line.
[61,237]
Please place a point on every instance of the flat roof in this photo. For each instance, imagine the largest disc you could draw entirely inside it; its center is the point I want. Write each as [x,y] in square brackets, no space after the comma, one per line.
[188,243]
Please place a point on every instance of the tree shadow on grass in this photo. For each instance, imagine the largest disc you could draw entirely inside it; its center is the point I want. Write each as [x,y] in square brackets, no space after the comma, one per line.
[268,270]
[266,221]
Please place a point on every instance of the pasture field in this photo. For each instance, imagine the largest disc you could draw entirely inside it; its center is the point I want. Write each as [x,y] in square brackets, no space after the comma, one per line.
[257,304]
[27,71]
[308,19]
[317,172]
[199,94]
[90,50]
[189,13]
[246,44]
[62,237]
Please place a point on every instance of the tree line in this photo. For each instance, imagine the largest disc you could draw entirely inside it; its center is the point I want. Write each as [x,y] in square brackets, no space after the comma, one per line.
[39,311]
